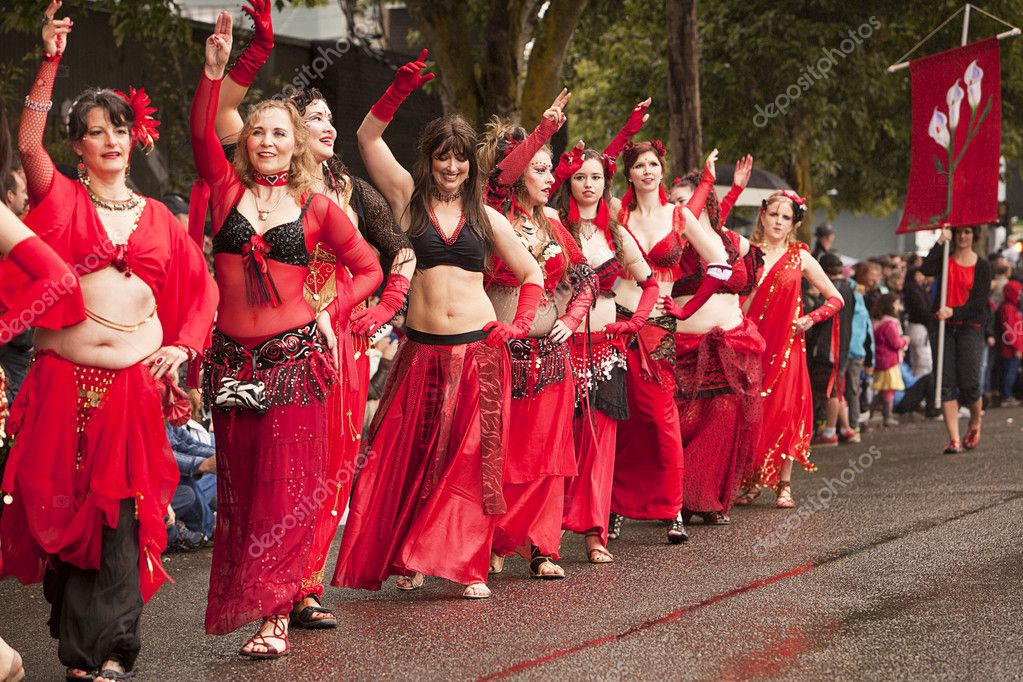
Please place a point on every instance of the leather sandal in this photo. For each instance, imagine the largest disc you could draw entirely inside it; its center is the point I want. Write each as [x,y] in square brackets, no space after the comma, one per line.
[79,674]
[599,554]
[712,518]
[111,674]
[496,563]
[305,617]
[784,493]
[279,631]
[972,439]
[677,530]
[747,496]
[954,447]
[541,566]
[407,583]
[614,526]
[477,591]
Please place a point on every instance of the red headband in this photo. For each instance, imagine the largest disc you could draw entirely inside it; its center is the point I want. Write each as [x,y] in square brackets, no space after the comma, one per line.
[144,131]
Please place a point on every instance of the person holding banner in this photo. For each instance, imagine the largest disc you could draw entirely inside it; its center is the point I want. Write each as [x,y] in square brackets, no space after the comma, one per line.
[964,312]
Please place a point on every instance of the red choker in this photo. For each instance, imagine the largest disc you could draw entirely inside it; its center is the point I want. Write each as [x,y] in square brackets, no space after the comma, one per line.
[272,180]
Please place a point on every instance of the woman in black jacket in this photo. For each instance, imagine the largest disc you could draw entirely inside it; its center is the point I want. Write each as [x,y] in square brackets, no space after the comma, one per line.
[965,312]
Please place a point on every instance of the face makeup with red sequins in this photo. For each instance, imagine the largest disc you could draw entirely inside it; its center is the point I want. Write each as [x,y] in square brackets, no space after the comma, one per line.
[538,178]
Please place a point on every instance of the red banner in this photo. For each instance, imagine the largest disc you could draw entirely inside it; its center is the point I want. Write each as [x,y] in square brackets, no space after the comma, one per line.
[956,139]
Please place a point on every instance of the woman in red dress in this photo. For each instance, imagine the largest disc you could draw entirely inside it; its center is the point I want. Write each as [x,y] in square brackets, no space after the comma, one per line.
[718,364]
[776,307]
[648,463]
[429,491]
[370,213]
[540,450]
[86,489]
[273,359]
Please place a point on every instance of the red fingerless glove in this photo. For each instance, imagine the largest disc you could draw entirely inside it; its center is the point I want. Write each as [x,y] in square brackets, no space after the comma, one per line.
[727,203]
[717,274]
[643,310]
[631,127]
[502,332]
[407,79]
[391,301]
[568,164]
[699,198]
[258,50]
[52,281]
[830,307]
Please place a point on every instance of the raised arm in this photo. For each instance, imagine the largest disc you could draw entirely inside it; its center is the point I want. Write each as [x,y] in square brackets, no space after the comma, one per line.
[34,158]
[394,182]
[637,117]
[243,73]
[743,170]
[568,164]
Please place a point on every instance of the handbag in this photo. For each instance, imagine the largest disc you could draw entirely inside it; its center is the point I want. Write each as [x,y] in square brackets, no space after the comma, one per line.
[247,394]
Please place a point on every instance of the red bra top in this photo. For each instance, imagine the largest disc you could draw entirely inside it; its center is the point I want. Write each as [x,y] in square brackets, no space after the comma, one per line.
[555,258]
[665,255]
[608,273]
[692,269]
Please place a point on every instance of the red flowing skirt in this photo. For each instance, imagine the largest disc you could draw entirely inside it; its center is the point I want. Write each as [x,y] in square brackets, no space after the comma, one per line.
[540,452]
[648,459]
[85,438]
[598,364]
[428,494]
[719,405]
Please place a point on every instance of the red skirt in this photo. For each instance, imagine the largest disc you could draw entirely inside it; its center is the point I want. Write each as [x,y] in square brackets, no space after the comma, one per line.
[540,452]
[648,458]
[599,366]
[719,405]
[270,483]
[429,490]
[84,439]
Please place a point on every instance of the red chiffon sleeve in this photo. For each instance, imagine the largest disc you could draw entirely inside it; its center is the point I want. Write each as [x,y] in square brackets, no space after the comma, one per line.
[210,162]
[188,300]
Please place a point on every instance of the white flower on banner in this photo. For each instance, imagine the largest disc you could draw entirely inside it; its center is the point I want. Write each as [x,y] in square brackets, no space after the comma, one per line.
[954,98]
[972,77]
[938,129]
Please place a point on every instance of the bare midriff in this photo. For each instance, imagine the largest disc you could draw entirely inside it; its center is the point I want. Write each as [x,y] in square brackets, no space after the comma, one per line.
[628,293]
[125,301]
[506,301]
[448,300]
[721,310]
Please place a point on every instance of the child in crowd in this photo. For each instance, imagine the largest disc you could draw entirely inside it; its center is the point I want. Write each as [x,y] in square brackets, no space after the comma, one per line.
[890,346]
[1009,339]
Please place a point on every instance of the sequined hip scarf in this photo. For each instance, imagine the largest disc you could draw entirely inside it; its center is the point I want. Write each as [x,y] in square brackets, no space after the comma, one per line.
[536,364]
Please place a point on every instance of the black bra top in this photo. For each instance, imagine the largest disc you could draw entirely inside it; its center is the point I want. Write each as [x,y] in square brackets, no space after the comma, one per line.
[464,251]
[286,241]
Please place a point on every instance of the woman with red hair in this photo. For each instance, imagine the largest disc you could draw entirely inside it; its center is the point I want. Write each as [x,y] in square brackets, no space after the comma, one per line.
[776,307]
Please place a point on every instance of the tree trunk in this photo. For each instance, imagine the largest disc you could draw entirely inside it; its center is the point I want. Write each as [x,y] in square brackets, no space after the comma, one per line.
[685,138]
[550,43]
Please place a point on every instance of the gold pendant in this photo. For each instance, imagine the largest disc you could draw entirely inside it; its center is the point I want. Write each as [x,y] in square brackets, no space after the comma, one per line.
[263,214]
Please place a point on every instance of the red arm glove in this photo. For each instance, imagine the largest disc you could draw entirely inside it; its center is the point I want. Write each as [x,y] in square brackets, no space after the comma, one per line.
[568,164]
[699,198]
[392,300]
[631,127]
[642,314]
[579,306]
[717,275]
[514,165]
[255,54]
[830,307]
[502,332]
[407,79]
[53,281]
[728,202]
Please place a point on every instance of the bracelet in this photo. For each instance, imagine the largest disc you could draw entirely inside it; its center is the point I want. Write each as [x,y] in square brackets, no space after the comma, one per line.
[55,57]
[190,352]
[41,107]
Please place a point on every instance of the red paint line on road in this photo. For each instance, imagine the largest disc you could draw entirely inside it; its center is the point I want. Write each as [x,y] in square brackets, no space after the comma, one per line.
[667,618]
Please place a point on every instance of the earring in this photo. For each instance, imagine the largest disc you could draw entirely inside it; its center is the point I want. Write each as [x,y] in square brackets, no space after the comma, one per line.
[127,169]
[83,174]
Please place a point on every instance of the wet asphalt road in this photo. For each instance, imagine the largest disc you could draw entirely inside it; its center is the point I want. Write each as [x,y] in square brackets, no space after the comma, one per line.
[900,563]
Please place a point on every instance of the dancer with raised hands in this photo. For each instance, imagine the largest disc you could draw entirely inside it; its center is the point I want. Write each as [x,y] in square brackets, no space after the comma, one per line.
[429,494]
[776,307]
[273,359]
[131,304]
[717,368]
[371,214]
[540,450]
[649,460]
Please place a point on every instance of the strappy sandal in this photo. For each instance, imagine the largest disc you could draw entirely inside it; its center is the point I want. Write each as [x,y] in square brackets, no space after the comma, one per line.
[408,583]
[599,554]
[477,591]
[111,674]
[496,563]
[677,530]
[784,496]
[712,518]
[279,631]
[85,675]
[954,447]
[972,439]
[541,566]
[747,496]
[305,618]
[614,526]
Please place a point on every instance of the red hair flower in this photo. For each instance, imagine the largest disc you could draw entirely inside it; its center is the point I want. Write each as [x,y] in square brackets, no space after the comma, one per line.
[144,132]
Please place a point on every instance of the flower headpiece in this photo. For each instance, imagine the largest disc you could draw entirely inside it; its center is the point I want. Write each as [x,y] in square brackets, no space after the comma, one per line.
[798,204]
[656,144]
[144,131]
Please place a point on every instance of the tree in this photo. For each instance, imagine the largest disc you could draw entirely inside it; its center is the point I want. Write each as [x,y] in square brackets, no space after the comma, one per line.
[684,82]
[500,57]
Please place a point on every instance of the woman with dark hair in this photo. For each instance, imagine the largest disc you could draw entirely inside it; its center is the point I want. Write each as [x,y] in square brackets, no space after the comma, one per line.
[649,460]
[429,493]
[717,368]
[274,358]
[369,211]
[776,307]
[540,450]
[90,473]
[965,313]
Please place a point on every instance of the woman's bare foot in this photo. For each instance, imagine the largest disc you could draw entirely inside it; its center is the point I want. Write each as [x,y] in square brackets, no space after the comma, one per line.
[271,641]
[477,591]
[409,583]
